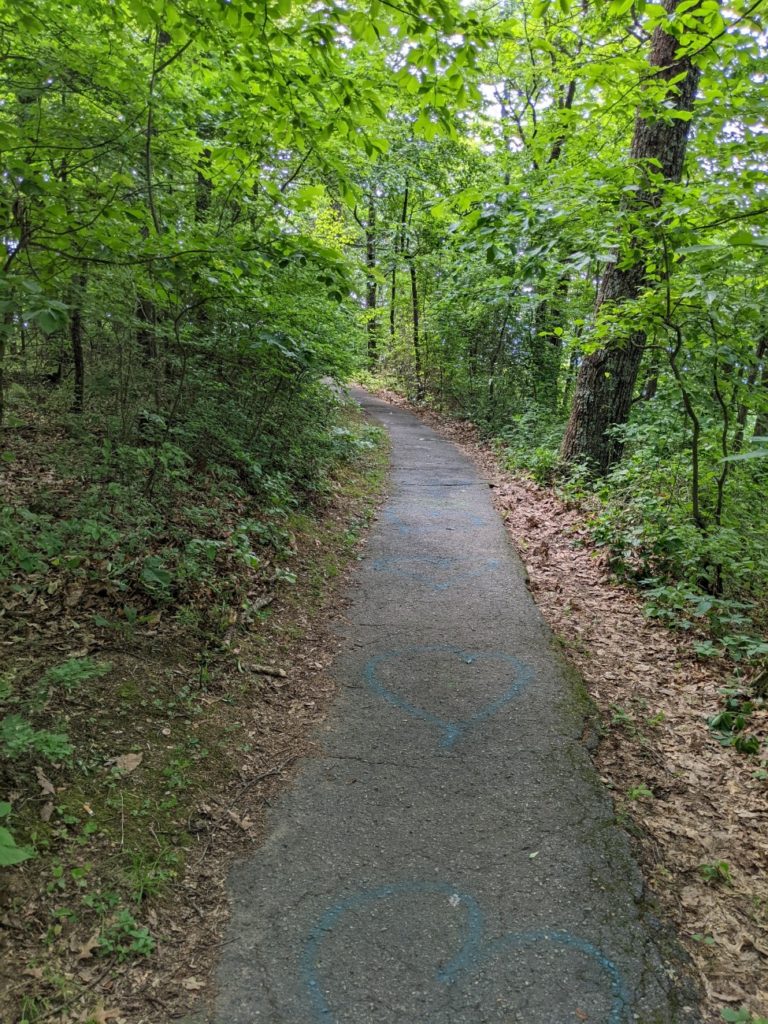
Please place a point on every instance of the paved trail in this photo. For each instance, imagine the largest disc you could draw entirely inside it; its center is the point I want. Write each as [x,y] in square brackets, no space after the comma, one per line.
[449,857]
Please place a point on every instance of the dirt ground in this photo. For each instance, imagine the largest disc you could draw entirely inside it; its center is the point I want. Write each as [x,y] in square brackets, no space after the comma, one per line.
[201,744]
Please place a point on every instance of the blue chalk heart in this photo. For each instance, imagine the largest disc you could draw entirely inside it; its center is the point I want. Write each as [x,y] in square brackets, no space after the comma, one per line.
[450,730]
[473,953]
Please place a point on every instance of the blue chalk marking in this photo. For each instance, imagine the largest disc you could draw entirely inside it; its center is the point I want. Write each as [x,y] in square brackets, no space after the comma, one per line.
[472,932]
[474,951]
[521,940]
[450,731]
[399,567]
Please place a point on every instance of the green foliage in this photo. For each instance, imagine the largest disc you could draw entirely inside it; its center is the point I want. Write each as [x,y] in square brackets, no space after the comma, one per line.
[19,738]
[529,443]
[742,1016]
[125,939]
[640,792]
[71,674]
[729,724]
[10,852]
[718,873]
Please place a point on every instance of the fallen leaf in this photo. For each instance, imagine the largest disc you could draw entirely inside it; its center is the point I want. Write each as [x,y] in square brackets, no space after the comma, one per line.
[86,951]
[46,786]
[193,984]
[244,822]
[128,763]
[99,1015]
[46,811]
[269,670]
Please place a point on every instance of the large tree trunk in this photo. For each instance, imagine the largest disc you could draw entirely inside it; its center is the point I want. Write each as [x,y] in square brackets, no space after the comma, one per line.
[606,380]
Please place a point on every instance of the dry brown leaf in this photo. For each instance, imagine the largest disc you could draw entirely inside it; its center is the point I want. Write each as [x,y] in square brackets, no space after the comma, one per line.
[243,821]
[87,949]
[269,670]
[46,786]
[128,763]
[99,1015]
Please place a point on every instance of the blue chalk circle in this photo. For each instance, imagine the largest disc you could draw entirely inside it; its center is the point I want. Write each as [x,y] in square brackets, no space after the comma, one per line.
[473,953]
[519,674]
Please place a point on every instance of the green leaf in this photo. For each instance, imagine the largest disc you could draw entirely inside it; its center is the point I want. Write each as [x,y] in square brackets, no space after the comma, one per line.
[10,853]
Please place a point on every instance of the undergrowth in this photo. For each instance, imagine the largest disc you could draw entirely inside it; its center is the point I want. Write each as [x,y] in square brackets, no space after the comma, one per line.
[131,576]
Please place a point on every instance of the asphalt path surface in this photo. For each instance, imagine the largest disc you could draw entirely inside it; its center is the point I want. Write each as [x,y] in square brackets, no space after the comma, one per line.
[449,855]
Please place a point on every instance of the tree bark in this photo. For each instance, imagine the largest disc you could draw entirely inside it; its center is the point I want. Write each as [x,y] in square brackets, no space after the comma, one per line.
[743,410]
[606,381]
[5,330]
[761,423]
[397,249]
[76,341]
[371,289]
[416,337]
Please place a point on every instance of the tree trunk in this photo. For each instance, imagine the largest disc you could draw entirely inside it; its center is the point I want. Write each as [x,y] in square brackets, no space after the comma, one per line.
[651,382]
[606,380]
[743,410]
[761,423]
[416,338]
[76,341]
[370,266]
[547,344]
[392,300]
[5,330]
[397,248]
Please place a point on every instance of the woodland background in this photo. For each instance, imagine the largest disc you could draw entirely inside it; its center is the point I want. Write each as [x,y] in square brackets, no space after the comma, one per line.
[546,218]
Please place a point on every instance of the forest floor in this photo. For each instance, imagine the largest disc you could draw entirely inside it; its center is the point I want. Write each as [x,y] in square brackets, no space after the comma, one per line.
[697,810]
[121,917]
[180,743]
